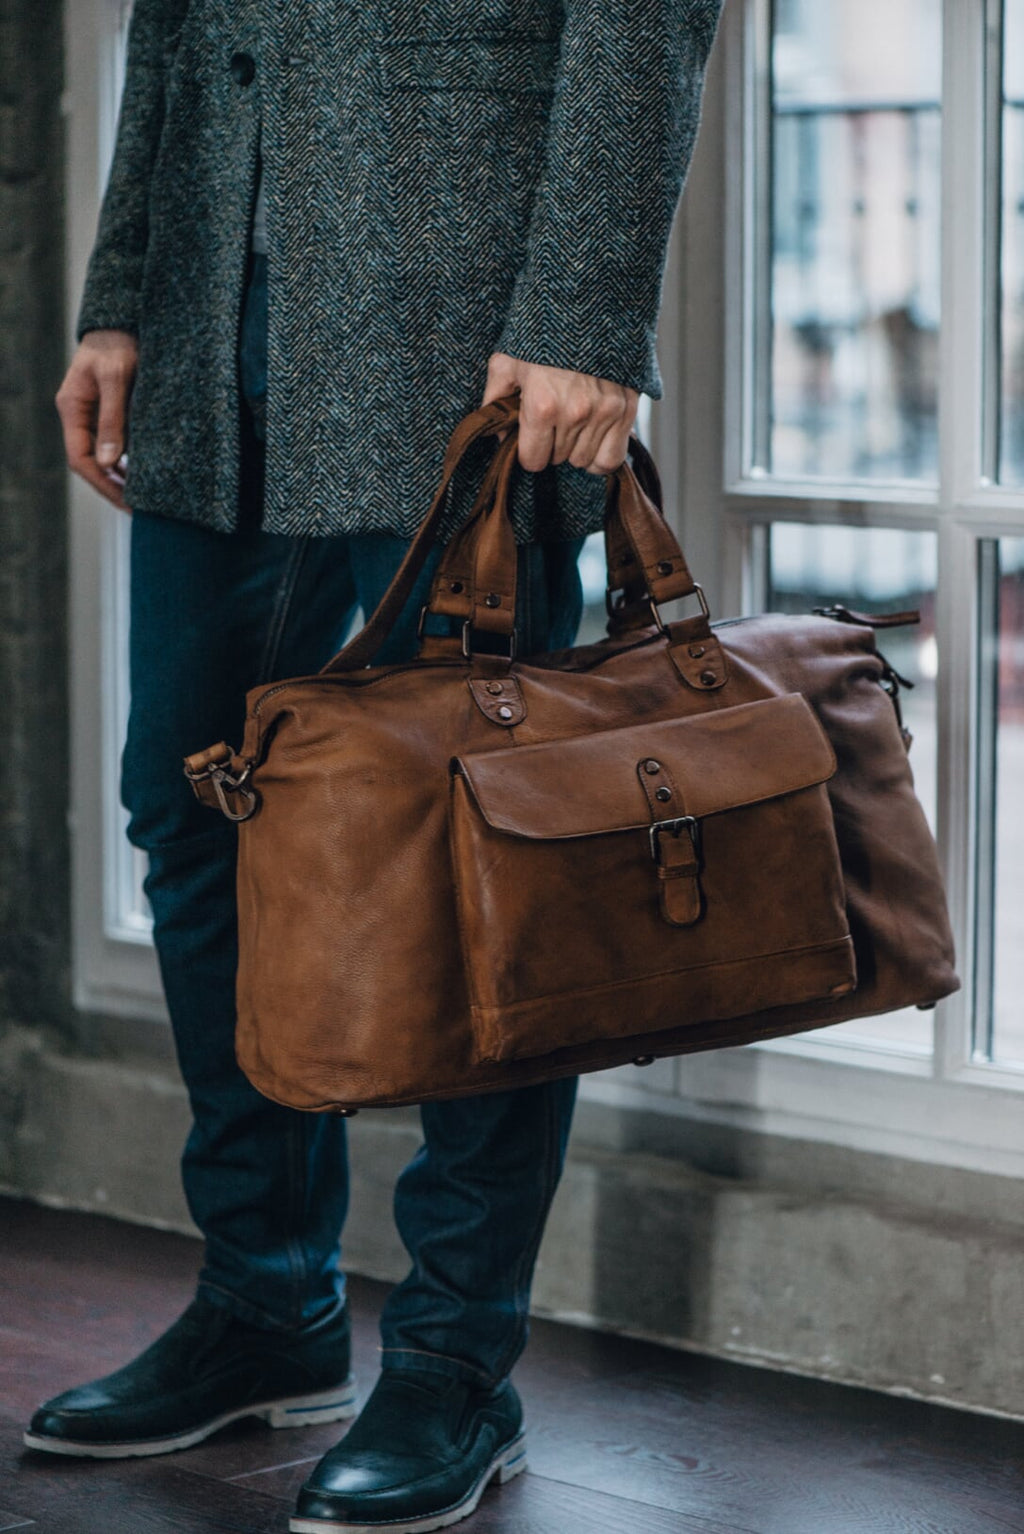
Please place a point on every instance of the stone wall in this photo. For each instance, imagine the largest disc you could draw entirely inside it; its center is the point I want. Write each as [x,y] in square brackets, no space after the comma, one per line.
[34,860]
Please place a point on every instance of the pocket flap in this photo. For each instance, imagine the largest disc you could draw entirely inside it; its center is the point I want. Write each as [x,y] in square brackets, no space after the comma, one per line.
[590,784]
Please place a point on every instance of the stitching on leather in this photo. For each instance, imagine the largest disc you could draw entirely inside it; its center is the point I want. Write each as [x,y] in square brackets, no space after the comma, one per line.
[665,974]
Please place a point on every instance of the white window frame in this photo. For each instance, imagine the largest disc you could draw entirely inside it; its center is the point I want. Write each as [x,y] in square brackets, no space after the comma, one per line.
[948,1107]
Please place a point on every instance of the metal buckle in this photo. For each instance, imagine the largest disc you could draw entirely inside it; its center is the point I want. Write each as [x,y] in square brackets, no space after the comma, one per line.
[467,629]
[698,592]
[673,827]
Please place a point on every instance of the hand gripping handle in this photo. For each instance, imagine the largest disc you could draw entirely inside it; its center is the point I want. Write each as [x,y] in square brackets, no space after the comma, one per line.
[477,576]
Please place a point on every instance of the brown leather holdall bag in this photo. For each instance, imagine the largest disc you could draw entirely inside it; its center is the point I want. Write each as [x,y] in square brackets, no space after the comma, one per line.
[473,871]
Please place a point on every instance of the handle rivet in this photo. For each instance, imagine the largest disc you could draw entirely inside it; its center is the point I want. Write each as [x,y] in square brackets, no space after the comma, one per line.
[708,678]
[492,599]
[644,1060]
[494,688]
[652,766]
[504,712]
[456,587]
[664,794]
[665,567]
[696,650]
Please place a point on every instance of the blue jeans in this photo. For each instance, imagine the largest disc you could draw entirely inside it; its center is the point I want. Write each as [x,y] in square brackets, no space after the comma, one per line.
[212,615]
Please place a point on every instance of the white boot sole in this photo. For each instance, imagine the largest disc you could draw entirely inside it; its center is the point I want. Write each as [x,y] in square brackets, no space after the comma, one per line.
[291,1411]
[510,1462]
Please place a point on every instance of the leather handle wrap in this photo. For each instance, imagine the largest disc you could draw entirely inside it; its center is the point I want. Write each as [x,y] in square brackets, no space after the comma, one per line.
[360,650]
[476,580]
[477,577]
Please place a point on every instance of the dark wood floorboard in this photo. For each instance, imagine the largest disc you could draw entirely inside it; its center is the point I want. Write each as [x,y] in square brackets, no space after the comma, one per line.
[624,1437]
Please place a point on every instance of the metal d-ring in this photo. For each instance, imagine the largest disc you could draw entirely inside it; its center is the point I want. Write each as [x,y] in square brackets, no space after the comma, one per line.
[698,592]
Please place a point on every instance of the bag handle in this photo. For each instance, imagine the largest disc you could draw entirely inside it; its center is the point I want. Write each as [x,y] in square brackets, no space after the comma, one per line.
[360,650]
[476,580]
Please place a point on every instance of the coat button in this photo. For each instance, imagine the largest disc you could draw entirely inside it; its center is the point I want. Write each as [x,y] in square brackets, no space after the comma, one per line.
[243,68]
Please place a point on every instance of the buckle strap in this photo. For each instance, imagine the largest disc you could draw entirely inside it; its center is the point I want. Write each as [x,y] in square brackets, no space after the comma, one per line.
[675,846]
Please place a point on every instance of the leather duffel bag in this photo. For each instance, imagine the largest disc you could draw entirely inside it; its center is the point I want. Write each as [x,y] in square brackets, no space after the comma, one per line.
[475,871]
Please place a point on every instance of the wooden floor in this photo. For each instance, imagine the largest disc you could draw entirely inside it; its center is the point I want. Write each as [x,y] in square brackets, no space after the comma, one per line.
[624,1438]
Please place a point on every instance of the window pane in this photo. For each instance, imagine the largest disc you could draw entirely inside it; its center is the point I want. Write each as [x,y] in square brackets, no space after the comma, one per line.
[594,580]
[1011,468]
[1006,859]
[877,570]
[855,240]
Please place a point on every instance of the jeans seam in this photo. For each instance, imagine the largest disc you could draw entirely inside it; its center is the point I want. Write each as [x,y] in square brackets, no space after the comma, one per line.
[282,607]
[243,1310]
[461,1366]
[298,1160]
[528,1256]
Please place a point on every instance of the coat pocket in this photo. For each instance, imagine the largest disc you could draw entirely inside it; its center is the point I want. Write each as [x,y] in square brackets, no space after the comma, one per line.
[645,878]
[506,66]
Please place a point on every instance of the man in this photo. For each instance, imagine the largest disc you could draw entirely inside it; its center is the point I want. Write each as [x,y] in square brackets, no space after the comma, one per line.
[330,230]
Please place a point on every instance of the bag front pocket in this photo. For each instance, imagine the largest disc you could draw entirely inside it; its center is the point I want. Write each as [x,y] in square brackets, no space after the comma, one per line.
[645,878]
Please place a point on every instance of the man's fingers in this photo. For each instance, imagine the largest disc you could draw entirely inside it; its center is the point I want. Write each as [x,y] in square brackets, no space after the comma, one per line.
[76,405]
[501,378]
[610,452]
[100,480]
[538,423]
[605,435]
[80,405]
[574,422]
[114,385]
[78,445]
[92,403]
[565,417]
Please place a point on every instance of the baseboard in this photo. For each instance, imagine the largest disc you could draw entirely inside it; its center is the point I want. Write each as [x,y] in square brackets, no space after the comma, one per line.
[866,1287]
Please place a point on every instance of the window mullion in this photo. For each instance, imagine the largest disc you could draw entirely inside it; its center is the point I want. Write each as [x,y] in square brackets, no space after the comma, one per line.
[961,460]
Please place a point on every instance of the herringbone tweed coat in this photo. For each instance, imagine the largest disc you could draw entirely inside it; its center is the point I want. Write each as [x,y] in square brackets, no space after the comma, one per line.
[445,178]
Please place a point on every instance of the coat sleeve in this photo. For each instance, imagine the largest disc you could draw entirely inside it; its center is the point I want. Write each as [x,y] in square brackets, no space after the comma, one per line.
[113,281]
[623,124]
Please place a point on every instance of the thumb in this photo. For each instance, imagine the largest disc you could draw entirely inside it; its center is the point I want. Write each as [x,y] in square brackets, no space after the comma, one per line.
[502,377]
[110,424]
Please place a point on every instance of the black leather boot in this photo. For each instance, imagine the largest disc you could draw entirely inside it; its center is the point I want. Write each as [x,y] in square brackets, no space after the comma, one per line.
[205,1371]
[419,1457]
